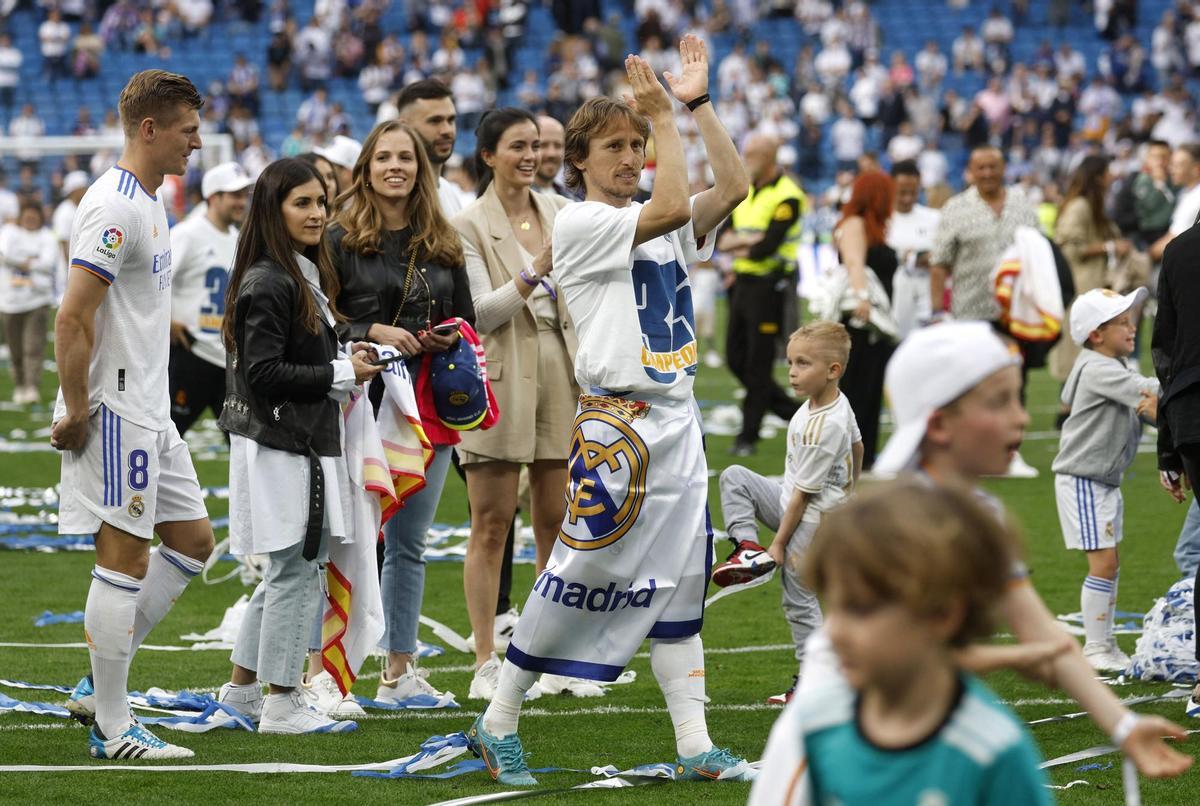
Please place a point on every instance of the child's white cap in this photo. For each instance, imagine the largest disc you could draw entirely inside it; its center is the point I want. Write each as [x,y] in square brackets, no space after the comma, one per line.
[1098,306]
[932,367]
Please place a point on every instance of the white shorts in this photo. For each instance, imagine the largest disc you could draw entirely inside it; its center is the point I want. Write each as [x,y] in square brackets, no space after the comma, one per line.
[634,552]
[1090,513]
[128,477]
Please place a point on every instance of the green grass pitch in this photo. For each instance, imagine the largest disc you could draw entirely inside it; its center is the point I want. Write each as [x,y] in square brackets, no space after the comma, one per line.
[743,635]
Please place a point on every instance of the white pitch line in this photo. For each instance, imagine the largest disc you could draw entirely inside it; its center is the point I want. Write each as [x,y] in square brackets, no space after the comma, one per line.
[603,710]
[38,726]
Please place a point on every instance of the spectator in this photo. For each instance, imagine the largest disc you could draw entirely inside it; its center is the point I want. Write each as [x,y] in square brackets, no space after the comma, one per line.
[313,113]
[1147,199]
[1123,64]
[339,121]
[1166,55]
[29,126]
[833,63]
[243,84]
[905,146]
[10,71]
[734,70]
[860,237]
[1185,175]
[449,55]
[997,32]
[1100,105]
[75,184]
[1089,240]
[901,72]
[967,51]
[256,156]
[146,37]
[428,106]
[1069,63]
[550,158]
[28,257]
[347,51]
[849,137]
[996,106]
[931,66]
[934,167]
[471,94]
[295,144]
[10,205]
[375,81]
[279,59]
[54,37]
[815,105]
[313,49]
[342,153]
[194,14]
[910,233]
[86,52]
[118,25]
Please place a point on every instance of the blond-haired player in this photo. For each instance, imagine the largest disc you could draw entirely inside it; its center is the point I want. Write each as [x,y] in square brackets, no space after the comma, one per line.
[824,454]
[126,474]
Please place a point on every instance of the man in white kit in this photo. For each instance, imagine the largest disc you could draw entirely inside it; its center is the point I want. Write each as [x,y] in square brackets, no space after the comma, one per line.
[126,474]
[202,249]
[633,555]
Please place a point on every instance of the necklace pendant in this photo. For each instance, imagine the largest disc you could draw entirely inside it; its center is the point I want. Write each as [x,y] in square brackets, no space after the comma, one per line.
[525,226]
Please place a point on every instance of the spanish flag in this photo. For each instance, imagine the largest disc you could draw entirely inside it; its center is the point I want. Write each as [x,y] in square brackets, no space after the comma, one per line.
[386,461]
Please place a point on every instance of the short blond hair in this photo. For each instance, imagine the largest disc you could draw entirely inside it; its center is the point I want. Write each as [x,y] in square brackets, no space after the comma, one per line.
[831,339]
[918,546]
[590,120]
[156,94]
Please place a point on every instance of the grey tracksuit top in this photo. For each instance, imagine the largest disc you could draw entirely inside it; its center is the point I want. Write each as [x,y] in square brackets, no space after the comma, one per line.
[1100,438]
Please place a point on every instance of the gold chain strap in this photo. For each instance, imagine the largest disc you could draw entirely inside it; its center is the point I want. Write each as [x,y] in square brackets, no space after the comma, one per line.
[408,275]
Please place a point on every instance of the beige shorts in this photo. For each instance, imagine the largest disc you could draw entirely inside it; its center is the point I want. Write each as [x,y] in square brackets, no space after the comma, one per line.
[556,405]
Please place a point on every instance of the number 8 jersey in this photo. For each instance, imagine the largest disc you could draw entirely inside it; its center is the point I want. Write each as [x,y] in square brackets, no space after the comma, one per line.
[121,238]
[203,256]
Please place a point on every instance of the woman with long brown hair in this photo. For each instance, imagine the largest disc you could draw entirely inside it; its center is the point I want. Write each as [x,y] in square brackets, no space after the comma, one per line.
[401,269]
[1087,238]
[287,377]
[860,237]
[527,332]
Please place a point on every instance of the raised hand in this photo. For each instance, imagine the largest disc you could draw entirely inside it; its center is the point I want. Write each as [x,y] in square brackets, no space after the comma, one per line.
[692,82]
[649,96]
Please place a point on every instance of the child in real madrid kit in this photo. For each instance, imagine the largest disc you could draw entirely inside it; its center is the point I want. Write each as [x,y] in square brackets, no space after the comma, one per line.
[824,454]
[1099,441]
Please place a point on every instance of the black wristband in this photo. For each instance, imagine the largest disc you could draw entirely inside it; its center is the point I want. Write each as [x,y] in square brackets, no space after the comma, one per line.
[696,103]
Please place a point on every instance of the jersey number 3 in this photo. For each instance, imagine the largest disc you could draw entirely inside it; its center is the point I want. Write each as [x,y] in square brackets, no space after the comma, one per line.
[216,280]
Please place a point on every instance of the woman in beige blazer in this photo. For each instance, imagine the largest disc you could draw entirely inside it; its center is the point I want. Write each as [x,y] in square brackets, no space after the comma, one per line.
[530,346]
[1088,240]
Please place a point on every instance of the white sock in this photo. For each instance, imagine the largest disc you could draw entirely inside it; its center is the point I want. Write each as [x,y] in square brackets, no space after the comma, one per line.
[502,714]
[1112,610]
[678,667]
[1094,599]
[168,574]
[108,624]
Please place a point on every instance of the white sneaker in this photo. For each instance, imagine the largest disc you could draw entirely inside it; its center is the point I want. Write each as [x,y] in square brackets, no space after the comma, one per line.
[1105,658]
[408,685]
[502,631]
[575,686]
[1018,468]
[1192,709]
[322,693]
[487,677]
[712,359]
[291,713]
[247,699]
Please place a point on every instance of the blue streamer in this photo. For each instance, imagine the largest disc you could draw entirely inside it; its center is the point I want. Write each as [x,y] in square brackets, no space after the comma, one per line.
[1094,767]
[421,701]
[40,686]
[7,703]
[205,717]
[48,618]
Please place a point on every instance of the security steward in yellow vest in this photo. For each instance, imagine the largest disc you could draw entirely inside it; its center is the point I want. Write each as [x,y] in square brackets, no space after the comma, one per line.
[762,237]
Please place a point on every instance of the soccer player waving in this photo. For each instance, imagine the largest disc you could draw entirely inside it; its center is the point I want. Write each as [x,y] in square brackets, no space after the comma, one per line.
[632,556]
[126,474]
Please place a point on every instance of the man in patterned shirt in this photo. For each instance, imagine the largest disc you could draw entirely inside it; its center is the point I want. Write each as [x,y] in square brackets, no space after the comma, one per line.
[977,226]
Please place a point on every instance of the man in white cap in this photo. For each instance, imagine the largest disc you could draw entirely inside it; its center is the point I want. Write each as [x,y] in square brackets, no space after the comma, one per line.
[75,184]
[342,152]
[202,248]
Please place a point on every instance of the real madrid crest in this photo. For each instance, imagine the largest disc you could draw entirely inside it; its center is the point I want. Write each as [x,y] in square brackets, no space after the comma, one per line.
[136,507]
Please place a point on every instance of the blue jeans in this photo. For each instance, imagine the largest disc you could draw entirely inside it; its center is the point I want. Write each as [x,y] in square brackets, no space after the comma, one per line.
[1187,550]
[402,582]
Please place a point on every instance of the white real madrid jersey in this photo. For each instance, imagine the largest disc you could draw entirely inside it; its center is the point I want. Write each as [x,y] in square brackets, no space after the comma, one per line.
[121,237]
[632,306]
[201,257]
[819,456]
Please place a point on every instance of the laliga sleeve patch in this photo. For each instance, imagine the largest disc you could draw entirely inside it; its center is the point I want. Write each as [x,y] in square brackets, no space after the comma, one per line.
[108,245]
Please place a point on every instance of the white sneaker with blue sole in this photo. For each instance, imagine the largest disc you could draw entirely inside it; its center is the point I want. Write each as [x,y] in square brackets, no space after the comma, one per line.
[135,743]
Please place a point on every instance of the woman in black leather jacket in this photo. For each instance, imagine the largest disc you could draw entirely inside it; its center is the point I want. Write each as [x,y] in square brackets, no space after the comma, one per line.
[401,269]
[286,376]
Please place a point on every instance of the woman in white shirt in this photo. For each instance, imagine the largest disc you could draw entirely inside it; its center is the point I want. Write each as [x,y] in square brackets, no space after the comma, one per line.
[28,257]
[289,489]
